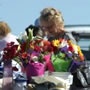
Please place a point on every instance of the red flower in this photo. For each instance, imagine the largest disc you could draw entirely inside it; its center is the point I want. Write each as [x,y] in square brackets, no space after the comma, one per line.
[38,41]
[23,47]
[10,51]
[10,44]
[50,49]
[24,55]
[37,48]
[46,43]
[70,48]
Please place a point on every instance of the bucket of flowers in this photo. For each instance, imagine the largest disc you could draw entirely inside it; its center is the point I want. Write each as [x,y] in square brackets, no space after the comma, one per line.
[38,55]
[32,54]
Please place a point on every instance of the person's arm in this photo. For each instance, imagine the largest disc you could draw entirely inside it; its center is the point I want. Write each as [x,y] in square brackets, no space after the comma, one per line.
[70,36]
[2,45]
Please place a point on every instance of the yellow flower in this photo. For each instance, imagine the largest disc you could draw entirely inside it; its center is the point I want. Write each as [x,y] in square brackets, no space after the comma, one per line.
[69,42]
[55,43]
[75,47]
[32,46]
[79,51]
[79,48]
[19,47]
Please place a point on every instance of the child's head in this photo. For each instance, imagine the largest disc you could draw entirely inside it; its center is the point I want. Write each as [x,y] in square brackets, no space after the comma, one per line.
[4,29]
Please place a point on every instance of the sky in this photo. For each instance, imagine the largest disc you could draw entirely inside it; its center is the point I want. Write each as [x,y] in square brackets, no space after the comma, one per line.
[19,14]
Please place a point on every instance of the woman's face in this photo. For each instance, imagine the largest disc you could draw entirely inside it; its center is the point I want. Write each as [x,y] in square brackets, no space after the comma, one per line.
[49,29]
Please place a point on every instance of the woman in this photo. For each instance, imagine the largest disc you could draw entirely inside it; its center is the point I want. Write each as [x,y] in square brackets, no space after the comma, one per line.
[6,36]
[52,24]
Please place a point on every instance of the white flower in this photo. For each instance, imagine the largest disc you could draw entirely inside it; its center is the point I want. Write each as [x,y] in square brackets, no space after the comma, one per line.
[23,36]
[75,49]
[63,44]
[35,58]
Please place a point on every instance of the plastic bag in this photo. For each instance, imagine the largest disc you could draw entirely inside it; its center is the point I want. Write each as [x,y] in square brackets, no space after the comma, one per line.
[60,64]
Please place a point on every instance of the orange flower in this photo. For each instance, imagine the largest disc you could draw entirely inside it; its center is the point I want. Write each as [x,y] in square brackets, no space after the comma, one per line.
[60,40]
[24,55]
[81,58]
[46,43]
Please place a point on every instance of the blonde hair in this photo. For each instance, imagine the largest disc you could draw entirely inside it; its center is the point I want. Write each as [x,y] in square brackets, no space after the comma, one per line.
[52,16]
[4,29]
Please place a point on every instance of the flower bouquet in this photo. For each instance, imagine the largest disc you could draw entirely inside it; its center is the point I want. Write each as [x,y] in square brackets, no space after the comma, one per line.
[32,54]
[8,54]
[67,57]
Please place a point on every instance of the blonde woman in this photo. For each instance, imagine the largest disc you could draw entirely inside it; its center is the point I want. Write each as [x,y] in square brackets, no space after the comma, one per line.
[52,23]
[6,36]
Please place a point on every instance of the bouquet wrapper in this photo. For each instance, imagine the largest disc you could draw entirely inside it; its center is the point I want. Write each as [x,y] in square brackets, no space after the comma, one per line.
[35,69]
[74,65]
[48,62]
[61,65]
